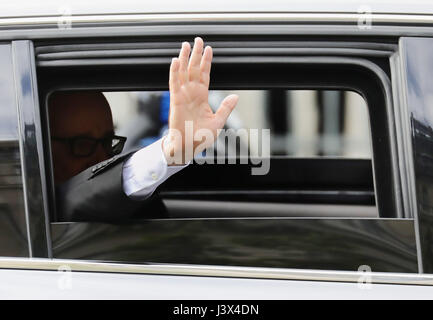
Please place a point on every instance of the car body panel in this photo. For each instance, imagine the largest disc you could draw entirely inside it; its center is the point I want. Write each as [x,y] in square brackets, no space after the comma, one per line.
[91,280]
[18,284]
[51,7]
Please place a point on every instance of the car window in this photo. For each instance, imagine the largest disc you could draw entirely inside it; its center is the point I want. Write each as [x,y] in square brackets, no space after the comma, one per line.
[330,201]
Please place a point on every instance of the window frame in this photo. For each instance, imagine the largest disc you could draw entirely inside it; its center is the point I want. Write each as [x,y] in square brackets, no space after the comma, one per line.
[31,150]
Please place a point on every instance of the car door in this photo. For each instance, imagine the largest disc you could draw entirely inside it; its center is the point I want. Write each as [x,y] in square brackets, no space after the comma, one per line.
[225,251]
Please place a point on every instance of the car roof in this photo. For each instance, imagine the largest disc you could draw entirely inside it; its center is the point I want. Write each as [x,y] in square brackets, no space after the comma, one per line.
[31,8]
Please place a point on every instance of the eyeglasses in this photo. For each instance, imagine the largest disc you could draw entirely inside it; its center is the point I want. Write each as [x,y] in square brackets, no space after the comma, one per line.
[85,146]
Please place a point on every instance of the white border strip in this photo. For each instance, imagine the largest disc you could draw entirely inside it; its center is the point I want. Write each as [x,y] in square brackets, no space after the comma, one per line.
[216,271]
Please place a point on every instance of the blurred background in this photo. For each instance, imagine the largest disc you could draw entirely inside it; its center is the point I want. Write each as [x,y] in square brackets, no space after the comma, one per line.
[302,123]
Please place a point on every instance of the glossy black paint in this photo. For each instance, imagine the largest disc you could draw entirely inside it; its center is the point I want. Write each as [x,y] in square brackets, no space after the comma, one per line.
[386,245]
[31,148]
[13,227]
[417,60]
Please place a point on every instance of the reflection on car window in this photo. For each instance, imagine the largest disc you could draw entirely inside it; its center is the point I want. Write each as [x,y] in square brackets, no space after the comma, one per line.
[13,222]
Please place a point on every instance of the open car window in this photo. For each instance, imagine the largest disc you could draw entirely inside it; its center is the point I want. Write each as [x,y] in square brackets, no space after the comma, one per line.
[318,141]
[331,197]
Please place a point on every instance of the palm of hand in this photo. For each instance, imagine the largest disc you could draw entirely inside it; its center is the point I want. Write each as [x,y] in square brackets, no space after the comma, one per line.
[190,103]
[189,90]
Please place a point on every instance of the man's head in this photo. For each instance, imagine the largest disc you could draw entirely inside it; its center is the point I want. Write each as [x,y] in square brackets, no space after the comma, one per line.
[78,115]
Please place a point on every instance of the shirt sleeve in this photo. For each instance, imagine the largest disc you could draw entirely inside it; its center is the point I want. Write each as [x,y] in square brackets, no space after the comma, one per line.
[145,170]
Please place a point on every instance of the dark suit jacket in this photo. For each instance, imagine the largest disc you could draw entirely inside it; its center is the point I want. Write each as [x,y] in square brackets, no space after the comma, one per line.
[96,194]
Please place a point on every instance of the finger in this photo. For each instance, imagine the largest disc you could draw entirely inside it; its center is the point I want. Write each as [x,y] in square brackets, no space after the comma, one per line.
[194,62]
[205,66]
[183,62]
[226,107]
[173,81]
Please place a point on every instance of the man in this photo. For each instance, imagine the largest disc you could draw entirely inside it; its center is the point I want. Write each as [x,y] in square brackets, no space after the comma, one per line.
[91,185]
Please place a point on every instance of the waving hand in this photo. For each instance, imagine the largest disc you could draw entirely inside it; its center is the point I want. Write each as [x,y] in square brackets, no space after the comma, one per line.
[189,90]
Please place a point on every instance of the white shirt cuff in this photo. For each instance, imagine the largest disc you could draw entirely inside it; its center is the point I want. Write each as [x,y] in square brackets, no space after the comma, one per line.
[145,170]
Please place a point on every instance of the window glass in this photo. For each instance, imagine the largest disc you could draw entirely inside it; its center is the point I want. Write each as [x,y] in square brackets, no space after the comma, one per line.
[13,238]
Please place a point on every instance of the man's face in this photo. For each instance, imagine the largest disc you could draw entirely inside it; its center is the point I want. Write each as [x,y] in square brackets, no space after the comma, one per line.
[73,115]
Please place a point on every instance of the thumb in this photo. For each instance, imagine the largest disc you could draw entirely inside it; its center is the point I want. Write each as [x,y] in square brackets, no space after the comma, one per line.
[226,107]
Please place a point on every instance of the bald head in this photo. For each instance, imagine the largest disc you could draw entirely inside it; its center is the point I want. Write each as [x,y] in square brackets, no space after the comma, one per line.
[77,114]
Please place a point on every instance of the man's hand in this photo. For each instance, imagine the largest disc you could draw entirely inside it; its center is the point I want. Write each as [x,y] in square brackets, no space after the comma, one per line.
[189,90]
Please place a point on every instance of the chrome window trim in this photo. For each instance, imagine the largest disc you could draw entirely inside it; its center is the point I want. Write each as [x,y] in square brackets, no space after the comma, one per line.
[216,271]
[377,18]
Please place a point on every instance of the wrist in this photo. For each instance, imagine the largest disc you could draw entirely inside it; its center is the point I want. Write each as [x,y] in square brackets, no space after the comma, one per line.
[172,151]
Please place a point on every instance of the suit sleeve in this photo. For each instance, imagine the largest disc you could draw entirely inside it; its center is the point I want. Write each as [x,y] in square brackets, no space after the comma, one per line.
[97,195]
